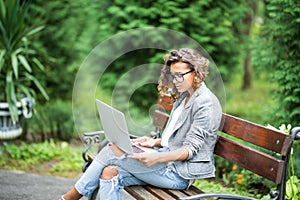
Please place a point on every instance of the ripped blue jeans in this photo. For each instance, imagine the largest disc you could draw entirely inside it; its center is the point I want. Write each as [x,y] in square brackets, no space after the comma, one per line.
[130,172]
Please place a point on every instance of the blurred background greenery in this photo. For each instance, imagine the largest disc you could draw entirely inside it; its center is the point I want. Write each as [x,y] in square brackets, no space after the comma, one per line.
[254,43]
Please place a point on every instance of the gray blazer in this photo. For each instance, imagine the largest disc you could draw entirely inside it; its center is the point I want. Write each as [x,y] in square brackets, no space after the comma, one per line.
[196,130]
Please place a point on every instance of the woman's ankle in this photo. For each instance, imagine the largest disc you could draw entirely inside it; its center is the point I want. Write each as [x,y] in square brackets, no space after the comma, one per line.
[73,194]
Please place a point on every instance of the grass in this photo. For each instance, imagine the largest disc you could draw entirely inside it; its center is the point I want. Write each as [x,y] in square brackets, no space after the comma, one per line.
[254,104]
[211,186]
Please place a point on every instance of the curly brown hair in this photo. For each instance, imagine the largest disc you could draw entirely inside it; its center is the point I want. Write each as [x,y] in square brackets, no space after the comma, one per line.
[194,60]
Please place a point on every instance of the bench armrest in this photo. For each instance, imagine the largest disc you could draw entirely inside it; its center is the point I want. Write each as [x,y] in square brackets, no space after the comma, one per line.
[95,137]
[219,195]
[296,133]
[133,136]
[89,139]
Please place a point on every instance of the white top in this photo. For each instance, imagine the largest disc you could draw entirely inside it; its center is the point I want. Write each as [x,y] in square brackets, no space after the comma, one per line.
[169,129]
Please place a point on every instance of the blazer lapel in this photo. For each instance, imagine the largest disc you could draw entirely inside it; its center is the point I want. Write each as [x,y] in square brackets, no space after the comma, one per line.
[186,110]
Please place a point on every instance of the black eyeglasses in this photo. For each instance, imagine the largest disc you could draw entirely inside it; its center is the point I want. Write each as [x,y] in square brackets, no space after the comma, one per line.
[178,77]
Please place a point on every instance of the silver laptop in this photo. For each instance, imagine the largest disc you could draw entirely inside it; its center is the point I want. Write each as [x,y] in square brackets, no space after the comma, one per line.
[115,129]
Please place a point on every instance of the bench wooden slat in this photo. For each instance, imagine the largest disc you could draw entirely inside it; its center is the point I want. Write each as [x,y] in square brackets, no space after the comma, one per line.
[260,163]
[176,193]
[159,193]
[160,119]
[185,193]
[165,102]
[192,191]
[140,193]
[261,136]
[126,196]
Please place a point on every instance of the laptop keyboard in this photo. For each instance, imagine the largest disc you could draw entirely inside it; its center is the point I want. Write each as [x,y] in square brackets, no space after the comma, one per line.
[137,149]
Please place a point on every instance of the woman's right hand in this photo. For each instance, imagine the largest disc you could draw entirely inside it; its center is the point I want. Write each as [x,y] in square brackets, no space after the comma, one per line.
[146,142]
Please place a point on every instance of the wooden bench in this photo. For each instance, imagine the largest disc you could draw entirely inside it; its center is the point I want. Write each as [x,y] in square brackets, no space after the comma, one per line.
[259,149]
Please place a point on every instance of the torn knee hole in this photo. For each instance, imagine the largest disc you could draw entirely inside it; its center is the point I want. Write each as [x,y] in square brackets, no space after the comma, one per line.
[109,172]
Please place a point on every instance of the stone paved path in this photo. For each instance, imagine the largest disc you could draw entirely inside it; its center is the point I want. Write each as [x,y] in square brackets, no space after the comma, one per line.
[16,185]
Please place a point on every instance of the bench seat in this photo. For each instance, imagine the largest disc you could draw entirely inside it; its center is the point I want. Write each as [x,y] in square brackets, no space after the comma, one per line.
[154,193]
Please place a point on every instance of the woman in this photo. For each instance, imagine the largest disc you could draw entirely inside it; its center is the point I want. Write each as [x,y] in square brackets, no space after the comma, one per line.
[187,144]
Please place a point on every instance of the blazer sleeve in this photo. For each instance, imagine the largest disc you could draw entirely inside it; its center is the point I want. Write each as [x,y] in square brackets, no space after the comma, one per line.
[202,135]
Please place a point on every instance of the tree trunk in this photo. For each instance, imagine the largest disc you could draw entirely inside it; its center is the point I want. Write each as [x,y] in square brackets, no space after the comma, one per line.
[247,21]
[247,73]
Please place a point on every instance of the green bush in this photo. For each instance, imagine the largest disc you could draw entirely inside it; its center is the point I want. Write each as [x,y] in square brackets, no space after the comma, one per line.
[52,120]
[296,157]
[278,52]
[39,152]
[209,186]
[26,155]
[243,181]
[22,156]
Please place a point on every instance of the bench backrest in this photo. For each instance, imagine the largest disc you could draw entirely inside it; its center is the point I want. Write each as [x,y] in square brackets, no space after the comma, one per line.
[259,149]
[267,161]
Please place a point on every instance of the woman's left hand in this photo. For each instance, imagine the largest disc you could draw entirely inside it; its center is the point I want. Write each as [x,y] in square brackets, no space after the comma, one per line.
[148,159]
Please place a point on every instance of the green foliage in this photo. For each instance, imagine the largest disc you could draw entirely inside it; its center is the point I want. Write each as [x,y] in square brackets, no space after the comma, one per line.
[66,159]
[247,104]
[281,55]
[18,62]
[208,22]
[296,158]
[53,120]
[71,32]
[293,188]
[244,180]
[71,160]
[31,154]
[293,183]
[209,186]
